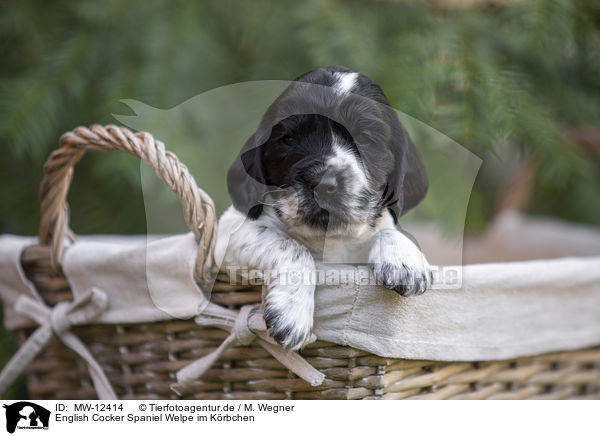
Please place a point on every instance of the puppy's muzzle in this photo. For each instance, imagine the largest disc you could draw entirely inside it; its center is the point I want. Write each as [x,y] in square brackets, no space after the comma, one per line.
[327,188]
[330,191]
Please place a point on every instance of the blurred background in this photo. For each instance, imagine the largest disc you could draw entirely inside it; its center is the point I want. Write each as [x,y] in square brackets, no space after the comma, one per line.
[515,82]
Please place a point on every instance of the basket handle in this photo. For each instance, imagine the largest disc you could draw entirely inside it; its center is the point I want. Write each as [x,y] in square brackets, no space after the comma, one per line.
[198,207]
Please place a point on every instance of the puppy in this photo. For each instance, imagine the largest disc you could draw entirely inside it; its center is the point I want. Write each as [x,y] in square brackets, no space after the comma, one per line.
[325,177]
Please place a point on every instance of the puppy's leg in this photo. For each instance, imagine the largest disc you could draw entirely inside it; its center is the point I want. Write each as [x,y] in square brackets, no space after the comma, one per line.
[398,264]
[287,267]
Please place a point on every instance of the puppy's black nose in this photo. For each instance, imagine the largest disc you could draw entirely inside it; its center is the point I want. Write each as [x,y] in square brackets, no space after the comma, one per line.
[327,187]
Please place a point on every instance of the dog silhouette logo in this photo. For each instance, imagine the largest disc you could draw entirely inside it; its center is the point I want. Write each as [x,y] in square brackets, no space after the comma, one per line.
[26,415]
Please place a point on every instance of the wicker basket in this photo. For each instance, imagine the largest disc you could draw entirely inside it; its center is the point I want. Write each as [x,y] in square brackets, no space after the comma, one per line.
[141,360]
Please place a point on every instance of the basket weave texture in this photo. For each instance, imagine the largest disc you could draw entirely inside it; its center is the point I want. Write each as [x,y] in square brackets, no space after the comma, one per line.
[141,360]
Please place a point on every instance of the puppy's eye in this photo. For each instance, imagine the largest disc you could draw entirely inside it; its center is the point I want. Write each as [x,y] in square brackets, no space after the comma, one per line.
[287,140]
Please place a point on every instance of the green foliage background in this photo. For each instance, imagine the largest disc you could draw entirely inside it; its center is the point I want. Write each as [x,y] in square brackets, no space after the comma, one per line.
[504,81]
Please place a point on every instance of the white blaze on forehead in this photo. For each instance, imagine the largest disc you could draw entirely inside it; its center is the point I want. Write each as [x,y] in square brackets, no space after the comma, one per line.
[345,81]
[344,160]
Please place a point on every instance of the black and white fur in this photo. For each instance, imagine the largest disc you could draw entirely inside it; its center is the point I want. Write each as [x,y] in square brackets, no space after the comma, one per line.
[325,177]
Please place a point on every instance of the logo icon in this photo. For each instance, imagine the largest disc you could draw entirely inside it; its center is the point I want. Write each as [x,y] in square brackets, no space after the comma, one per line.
[26,415]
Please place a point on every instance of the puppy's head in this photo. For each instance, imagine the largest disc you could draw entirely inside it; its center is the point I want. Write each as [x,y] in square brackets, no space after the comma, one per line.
[329,153]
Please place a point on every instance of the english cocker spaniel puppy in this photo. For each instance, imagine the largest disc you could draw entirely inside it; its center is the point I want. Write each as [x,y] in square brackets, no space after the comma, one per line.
[325,177]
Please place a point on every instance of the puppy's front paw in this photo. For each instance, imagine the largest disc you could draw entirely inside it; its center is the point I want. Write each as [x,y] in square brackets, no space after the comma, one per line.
[403,279]
[399,265]
[288,313]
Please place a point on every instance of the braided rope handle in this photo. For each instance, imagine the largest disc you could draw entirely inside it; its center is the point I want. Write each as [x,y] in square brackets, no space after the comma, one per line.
[198,207]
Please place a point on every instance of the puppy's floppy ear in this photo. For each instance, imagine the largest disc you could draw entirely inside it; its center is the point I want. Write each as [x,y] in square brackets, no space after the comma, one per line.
[407,184]
[247,176]
[246,180]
